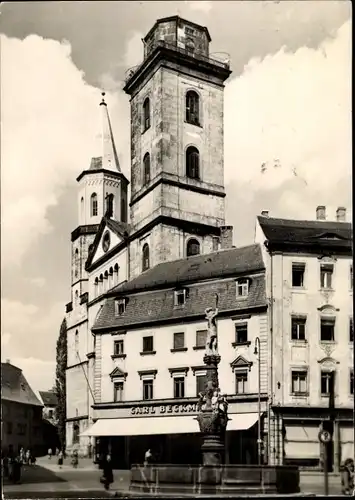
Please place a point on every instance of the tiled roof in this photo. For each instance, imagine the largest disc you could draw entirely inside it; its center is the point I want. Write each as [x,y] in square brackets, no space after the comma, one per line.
[231,262]
[14,386]
[307,233]
[49,398]
[145,308]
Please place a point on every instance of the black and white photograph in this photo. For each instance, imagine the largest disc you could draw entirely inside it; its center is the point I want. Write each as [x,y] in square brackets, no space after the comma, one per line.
[176,249]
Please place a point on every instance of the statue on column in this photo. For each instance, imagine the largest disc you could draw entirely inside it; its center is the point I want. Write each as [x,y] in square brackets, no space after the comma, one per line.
[212,340]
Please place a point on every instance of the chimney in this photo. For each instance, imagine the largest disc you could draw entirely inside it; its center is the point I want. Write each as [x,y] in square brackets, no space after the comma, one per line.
[341,214]
[320,212]
[265,213]
[226,237]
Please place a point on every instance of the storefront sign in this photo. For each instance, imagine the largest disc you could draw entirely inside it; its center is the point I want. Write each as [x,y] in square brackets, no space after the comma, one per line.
[164,409]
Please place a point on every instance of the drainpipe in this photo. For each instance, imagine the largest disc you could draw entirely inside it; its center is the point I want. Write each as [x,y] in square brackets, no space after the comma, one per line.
[271,323]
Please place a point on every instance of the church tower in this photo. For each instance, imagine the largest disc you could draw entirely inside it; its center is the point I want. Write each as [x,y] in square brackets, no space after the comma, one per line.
[102,191]
[177,178]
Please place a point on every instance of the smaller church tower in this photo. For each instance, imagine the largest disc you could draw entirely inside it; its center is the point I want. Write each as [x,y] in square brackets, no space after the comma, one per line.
[102,191]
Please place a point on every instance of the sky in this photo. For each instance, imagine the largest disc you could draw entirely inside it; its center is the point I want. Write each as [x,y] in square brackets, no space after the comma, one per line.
[287,125]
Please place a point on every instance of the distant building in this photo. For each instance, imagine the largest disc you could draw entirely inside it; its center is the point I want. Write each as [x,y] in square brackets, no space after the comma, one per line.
[21,412]
[309,287]
[50,403]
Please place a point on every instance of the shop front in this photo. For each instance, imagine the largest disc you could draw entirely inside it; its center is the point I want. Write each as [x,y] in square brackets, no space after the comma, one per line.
[171,432]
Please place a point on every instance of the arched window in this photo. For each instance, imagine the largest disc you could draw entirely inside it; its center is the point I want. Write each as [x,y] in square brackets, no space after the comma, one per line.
[93,205]
[76,263]
[146,114]
[76,433]
[106,280]
[192,107]
[192,247]
[110,278]
[109,204]
[146,169]
[82,209]
[76,340]
[76,296]
[116,270]
[145,257]
[101,283]
[192,163]
[96,285]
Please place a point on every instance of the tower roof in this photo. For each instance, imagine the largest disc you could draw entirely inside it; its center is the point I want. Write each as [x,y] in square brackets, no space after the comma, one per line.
[109,158]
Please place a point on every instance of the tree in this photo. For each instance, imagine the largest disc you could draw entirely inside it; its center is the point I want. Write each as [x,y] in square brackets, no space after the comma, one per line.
[62,356]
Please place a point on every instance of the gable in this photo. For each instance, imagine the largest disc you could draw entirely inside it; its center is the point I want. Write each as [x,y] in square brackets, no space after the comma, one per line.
[107,241]
[241,362]
[117,373]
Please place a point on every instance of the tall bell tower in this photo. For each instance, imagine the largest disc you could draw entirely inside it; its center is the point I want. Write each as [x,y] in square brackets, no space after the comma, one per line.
[177,178]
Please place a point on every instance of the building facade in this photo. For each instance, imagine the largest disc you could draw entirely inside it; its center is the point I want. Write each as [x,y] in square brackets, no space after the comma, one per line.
[309,288]
[21,413]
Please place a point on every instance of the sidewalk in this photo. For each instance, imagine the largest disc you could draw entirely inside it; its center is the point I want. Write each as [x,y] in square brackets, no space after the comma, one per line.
[52,464]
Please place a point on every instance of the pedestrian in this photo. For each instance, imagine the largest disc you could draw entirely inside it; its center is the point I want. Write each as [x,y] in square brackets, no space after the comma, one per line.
[32,459]
[347,477]
[28,457]
[6,466]
[50,453]
[148,458]
[107,474]
[21,456]
[75,459]
[16,471]
[60,459]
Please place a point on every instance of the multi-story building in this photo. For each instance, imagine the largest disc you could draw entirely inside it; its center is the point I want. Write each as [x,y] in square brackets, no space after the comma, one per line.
[50,402]
[309,287]
[21,413]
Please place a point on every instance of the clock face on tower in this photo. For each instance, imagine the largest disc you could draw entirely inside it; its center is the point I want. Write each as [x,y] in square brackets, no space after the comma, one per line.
[106,240]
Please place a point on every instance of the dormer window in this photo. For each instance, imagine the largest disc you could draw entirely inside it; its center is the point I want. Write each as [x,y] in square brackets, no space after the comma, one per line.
[120,307]
[180,297]
[242,287]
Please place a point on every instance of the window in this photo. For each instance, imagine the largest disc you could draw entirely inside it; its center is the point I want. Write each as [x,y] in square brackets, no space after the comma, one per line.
[50,413]
[118,391]
[109,204]
[76,340]
[298,328]
[192,107]
[116,270]
[179,340]
[148,344]
[299,382]
[9,427]
[76,432]
[327,383]
[146,114]
[298,274]
[146,169]
[93,205]
[180,297]
[201,336]
[326,273]
[76,262]
[242,288]
[352,382]
[82,208]
[21,429]
[351,330]
[145,257]
[192,247]
[215,243]
[147,389]
[241,333]
[118,347]
[192,163]
[190,46]
[327,329]
[201,381]
[179,387]
[241,381]
[120,307]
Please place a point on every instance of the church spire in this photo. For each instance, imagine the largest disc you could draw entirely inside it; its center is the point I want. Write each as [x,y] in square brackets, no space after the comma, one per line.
[109,152]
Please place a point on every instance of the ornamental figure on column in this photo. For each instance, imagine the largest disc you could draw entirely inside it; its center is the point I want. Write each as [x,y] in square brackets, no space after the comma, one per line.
[212,340]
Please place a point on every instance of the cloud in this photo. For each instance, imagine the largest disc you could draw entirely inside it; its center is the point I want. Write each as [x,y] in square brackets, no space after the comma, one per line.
[200,6]
[288,130]
[50,119]
[39,282]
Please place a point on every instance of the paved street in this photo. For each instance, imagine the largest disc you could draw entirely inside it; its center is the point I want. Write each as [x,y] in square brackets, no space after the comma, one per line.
[47,480]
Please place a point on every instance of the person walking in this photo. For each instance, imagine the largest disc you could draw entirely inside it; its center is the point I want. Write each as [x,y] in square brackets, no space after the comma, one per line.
[148,457]
[107,475]
[60,459]
[50,453]
[28,457]
[75,459]
[347,477]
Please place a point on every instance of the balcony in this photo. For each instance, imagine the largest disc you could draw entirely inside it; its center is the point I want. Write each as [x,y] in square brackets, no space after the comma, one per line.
[161,44]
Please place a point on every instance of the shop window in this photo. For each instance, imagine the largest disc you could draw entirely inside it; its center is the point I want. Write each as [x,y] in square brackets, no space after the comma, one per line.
[242,287]
[192,247]
[146,169]
[148,344]
[118,347]
[192,163]
[241,382]
[326,275]
[76,432]
[146,114]
[179,387]
[201,381]
[352,382]
[298,270]
[201,336]
[327,383]
[180,297]
[241,333]
[117,391]
[145,257]
[351,330]
[192,107]
[120,307]
[179,340]
[93,205]
[299,382]
[327,327]
[147,389]
[298,328]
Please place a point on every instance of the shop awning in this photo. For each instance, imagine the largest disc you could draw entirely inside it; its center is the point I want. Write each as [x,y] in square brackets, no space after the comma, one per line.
[140,426]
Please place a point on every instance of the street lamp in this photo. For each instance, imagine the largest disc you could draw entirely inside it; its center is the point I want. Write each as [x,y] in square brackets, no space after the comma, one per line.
[257,353]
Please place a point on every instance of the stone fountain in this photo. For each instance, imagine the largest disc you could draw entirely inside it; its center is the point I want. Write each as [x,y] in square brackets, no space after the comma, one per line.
[213,476]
